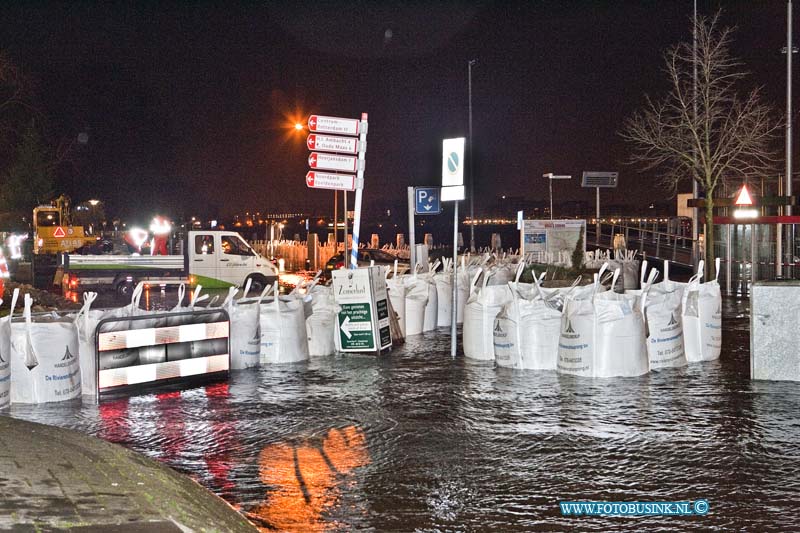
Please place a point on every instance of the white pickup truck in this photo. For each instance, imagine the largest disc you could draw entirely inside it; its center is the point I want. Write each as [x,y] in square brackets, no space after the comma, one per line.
[213,259]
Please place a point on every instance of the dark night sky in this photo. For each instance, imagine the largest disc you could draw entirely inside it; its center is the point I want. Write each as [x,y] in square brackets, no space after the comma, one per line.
[186,104]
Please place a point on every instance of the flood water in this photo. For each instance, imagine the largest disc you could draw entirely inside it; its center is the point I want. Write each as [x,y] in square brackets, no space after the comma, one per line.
[417,441]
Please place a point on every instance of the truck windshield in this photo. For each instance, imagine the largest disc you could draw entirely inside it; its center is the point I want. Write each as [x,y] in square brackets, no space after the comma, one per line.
[48,218]
[234,245]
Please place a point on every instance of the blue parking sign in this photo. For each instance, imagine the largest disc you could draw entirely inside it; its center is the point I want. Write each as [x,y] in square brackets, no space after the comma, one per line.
[427,201]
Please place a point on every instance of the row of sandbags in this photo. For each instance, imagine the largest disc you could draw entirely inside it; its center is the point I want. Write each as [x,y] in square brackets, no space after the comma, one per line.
[51,357]
[594,332]
[623,260]
[423,301]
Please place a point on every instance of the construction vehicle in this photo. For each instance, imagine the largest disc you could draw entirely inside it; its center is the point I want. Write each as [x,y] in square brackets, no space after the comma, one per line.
[211,258]
[53,233]
[53,230]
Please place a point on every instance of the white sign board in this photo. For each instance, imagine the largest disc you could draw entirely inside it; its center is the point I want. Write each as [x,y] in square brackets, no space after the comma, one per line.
[551,236]
[325,180]
[342,126]
[345,163]
[453,162]
[362,324]
[332,143]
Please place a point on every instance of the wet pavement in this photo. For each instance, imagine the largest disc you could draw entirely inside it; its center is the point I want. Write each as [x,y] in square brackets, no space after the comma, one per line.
[58,479]
[417,441]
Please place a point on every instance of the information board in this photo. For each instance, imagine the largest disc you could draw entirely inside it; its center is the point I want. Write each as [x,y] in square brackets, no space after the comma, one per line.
[362,324]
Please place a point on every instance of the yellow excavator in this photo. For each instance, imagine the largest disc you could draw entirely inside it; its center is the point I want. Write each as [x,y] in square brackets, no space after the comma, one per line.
[53,234]
[53,230]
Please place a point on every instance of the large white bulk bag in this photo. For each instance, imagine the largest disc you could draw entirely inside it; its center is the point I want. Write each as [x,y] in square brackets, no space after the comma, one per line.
[44,359]
[396,290]
[432,306]
[526,331]
[462,290]
[444,297]
[702,318]
[321,325]
[620,342]
[602,336]
[664,327]
[482,308]
[245,334]
[417,293]
[630,268]
[5,353]
[283,330]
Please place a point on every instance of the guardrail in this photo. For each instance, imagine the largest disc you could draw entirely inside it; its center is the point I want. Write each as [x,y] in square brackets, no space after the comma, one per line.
[156,349]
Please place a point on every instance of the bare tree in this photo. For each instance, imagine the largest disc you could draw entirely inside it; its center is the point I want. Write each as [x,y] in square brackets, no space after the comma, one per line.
[710,135]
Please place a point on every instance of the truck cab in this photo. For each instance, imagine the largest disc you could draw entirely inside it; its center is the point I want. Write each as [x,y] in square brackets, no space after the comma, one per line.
[223,258]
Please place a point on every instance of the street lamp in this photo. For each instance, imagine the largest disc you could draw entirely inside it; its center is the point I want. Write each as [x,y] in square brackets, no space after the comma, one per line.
[298,126]
[470,64]
[550,177]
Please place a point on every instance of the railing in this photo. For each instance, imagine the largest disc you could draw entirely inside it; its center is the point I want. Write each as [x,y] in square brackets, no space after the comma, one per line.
[651,241]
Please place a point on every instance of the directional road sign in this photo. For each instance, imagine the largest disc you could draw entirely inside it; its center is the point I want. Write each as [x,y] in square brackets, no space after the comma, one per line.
[427,201]
[332,143]
[324,161]
[342,126]
[325,180]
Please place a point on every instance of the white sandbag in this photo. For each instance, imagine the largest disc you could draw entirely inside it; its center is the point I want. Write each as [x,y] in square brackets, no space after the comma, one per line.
[462,290]
[245,337]
[662,309]
[44,358]
[620,349]
[444,298]
[85,324]
[417,292]
[527,330]
[5,353]
[602,336]
[630,269]
[702,318]
[396,290]
[482,308]
[283,330]
[321,325]
[431,318]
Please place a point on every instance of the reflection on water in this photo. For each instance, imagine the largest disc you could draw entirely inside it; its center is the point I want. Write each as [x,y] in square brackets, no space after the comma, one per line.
[304,478]
[418,441]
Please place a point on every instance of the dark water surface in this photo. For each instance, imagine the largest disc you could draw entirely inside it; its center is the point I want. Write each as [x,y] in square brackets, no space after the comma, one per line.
[417,441]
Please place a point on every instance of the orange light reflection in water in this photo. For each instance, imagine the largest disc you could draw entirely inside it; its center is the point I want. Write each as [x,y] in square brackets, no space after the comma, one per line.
[305,479]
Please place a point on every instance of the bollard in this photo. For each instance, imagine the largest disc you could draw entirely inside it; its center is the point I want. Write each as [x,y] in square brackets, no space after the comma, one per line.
[428,240]
[496,243]
[400,240]
[375,241]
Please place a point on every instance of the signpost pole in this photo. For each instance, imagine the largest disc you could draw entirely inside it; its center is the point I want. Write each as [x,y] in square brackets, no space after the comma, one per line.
[550,179]
[359,190]
[411,237]
[597,217]
[453,330]
[344,222]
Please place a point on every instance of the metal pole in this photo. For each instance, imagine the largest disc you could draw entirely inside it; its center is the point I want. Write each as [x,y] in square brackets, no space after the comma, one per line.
[335,222]
[597,215]
[453,330]
[344,222]
[789,51]
[359,192]
[550,179]
[470,63]
[411,237]
[695,187]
